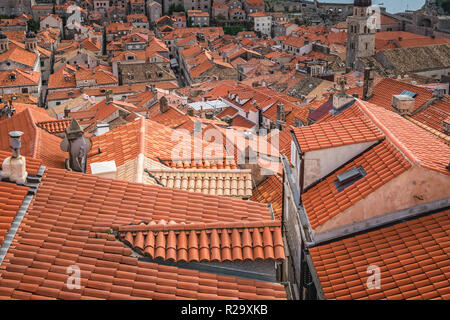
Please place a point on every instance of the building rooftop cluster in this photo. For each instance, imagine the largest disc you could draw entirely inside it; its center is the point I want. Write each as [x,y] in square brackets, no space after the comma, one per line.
[220,152]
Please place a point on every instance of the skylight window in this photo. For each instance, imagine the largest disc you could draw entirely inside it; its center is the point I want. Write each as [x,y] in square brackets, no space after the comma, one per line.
[346,179]
[409,93]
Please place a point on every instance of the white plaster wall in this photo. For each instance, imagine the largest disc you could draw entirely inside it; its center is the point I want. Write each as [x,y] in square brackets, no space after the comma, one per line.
[319,163]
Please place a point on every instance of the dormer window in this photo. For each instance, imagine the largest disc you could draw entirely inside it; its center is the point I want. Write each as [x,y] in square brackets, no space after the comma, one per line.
[12,76]
[130,58]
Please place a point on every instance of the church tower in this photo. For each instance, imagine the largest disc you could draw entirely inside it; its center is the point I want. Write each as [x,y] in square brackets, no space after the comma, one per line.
[361,33]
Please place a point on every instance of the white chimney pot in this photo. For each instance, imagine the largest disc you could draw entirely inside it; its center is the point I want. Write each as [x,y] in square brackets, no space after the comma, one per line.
[14,167]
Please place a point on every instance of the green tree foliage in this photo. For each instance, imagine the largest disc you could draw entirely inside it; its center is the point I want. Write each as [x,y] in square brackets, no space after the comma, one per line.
[176,8]
[445,4]
[232,30]
[33,25]
[190,22]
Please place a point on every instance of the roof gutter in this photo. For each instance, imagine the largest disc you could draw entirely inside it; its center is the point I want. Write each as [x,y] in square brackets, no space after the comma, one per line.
[306,231]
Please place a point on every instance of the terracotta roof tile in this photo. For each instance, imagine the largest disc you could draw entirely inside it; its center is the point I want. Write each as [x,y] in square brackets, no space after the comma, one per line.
[229,111]
[205,242]
[434,115]
[382,163]
[11,198]
[386,88]
[18,54]
[54,126]
[270,191]
[36,143]
[412,256]
[337,133]
[67,225]
[24,77]
[221,182]
[241,122]
[154,141]
[418,145]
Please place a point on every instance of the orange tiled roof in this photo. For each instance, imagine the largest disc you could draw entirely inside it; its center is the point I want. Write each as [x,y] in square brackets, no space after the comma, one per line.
[23,106]
[434,115]
[228,111]
[172,118]
[337,133]
[240,121]
[386,88]
[154,141]
[197,71]
[412,257]
[62,78]
[24,77]
[382,163]
[54,126]
[11,198]
[232,241]
[258,14]
[76,210]
[22,56]
[36,143]
[270,191]
[418,145]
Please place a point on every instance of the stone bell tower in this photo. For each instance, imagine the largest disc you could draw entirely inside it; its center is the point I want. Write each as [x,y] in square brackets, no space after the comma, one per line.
[361,33]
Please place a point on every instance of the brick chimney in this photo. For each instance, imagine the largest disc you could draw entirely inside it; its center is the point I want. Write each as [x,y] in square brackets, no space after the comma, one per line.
[281,114]
[197,126]
[404,104]
[228,120]
[109,98]
[66,112]
[446,124]
[163,105]
[368,83]
[4,43]
[31,42]
[77,145]
[14,167]
[341,99]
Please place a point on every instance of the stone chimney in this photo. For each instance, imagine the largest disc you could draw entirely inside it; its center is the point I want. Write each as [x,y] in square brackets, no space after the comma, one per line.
[197,126]
[228,120]
[66,112]
[281,114]
[341,99]
[109,98]
[163,105]
[368,83]
[404,104]
[4,43]
[14,167]
[446,124]
[31,42]
[77,145]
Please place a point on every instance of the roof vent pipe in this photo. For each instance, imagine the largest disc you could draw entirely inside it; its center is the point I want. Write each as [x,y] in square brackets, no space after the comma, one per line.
[14,167]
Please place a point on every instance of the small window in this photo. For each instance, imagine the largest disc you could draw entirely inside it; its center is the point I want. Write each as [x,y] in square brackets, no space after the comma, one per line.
[346,179]
[58,103]
[409,93]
